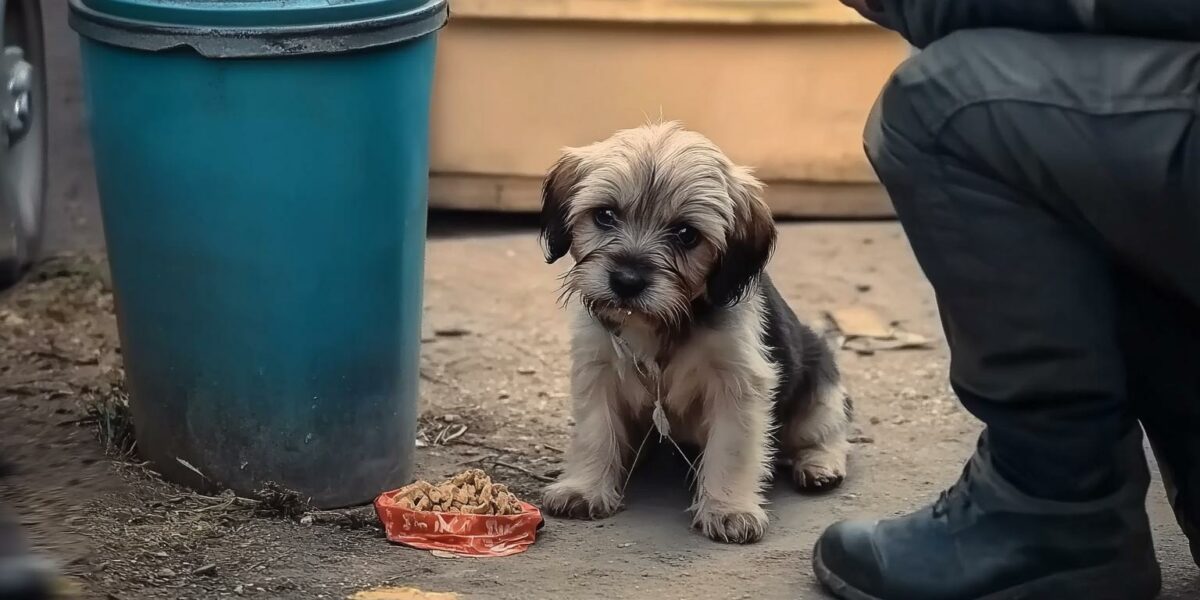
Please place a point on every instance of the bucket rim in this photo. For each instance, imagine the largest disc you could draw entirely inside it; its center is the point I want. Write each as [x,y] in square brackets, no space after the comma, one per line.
[264,41]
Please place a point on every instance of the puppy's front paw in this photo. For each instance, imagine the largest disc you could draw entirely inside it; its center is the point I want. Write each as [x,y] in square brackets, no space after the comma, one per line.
[732,527]
[563,499]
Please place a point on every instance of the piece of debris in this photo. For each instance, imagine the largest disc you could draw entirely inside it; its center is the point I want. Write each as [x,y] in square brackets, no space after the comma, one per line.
[864,331]
[520,469]
[166,573]
[442,554]
[861,439]
[402,593]
[239,590]
[12,319]
[452,332]
[187,465]
[451,418]
[625,545]
[860,321]
[449,433]
[526,371]
[207,570]
[274,500]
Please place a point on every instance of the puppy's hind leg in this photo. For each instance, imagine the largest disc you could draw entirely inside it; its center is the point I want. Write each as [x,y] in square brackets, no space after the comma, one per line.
[596,462]
[815,438]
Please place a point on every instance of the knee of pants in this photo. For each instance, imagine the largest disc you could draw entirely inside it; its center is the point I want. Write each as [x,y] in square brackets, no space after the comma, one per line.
[925,92]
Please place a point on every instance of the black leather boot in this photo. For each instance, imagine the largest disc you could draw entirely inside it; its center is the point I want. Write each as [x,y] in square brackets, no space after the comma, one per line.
[986,540]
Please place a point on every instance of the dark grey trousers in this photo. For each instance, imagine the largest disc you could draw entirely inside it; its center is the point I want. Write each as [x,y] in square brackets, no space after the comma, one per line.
[1050,187]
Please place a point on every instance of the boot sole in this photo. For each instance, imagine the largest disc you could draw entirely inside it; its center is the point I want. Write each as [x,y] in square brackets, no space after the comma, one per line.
[1100,583]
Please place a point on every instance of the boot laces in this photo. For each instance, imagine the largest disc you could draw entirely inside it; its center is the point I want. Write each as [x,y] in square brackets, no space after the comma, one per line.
[956,497]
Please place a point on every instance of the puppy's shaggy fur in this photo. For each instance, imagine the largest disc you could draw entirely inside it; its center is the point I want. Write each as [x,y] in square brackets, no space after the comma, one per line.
[670,303]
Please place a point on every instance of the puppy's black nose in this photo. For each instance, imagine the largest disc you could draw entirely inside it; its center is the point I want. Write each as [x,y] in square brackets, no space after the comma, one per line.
[626,282]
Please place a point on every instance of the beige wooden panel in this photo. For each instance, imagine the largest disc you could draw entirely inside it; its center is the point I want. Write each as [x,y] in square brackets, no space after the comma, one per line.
[825,12]
[788,99]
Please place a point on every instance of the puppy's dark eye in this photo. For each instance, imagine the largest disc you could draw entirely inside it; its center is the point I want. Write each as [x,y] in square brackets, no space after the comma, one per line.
[685,236]
[605,218]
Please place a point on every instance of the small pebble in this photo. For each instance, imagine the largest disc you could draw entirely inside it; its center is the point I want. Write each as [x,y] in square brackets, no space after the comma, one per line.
[166,573]
[451,418]
[526,371]
[306,520]
[625,545]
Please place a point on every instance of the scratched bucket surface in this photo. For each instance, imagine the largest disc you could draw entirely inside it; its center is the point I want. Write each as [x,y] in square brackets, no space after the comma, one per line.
[263,171]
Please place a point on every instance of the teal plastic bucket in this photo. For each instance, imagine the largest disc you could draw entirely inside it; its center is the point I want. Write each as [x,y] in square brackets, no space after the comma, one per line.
[263,170]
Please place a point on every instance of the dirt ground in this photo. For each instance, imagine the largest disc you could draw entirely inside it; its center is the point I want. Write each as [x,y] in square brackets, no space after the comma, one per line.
[493,363]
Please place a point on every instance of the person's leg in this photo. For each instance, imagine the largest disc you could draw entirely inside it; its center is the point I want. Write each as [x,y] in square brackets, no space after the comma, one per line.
[1159,334]
[1024,167]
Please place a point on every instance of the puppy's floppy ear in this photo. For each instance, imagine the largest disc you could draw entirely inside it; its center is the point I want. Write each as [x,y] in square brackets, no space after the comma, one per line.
[750,242]
[557,190]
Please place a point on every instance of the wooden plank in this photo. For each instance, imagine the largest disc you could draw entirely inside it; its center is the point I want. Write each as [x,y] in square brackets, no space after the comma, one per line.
[788,199]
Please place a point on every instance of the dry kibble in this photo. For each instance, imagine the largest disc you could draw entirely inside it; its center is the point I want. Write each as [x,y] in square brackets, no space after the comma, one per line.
[470,492]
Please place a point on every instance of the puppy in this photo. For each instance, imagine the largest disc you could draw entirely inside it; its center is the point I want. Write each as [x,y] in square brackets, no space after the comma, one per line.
[672,308]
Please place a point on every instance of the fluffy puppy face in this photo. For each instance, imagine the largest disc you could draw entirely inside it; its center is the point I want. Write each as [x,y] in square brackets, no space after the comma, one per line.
[656,219]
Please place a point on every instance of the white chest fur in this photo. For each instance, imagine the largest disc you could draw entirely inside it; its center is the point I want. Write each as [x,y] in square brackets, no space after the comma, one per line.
[715,370]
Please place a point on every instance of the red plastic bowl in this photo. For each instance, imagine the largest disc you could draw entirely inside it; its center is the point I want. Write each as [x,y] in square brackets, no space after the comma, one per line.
[457,533]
